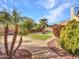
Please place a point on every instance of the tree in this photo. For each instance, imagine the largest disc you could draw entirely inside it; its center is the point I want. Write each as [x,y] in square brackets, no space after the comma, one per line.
[5,20]
[43,23]
[23,28]
[38,27]
[28,24]
[15,20]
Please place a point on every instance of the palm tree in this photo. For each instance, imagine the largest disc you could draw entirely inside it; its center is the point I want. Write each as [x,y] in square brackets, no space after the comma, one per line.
[5,20]
[15,21]
[43,23]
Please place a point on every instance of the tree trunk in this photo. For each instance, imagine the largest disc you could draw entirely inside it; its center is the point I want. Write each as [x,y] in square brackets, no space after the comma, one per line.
[14,40]
[6,29]
[43,29]
[18,45]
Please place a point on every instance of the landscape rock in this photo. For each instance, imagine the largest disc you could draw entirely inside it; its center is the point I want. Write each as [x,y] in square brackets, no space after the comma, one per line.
[23,53]
[1,53]
[53,45]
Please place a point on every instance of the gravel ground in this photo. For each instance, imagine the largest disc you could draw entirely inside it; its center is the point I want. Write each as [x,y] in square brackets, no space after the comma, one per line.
[38,48]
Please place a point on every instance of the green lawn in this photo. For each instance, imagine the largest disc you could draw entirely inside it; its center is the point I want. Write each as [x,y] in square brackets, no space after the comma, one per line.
[41,36]
[49,32]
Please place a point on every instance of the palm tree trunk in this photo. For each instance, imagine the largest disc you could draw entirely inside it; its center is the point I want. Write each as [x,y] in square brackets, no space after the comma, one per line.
[6,29]
[43,29]
[18,45]
[14,40]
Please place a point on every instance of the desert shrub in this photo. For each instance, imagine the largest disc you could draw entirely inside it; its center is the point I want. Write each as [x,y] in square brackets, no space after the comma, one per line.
[69,37]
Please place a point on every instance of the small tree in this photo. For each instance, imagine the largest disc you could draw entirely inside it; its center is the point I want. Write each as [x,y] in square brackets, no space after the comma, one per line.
[43,23]
[15,20]
[27,25]
[38,27]
[6,19]
[23,28]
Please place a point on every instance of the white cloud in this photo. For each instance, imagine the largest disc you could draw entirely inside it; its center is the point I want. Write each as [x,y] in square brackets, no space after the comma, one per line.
[48,4]
[4,4]
[56,13]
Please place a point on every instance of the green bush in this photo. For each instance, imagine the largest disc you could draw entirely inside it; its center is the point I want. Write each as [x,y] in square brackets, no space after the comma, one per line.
[69,37]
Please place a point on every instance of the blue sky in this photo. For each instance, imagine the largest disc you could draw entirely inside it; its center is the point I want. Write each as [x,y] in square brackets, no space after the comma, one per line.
[54,10]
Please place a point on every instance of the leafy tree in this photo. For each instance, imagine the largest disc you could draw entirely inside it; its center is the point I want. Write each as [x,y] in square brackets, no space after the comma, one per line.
[38,27]
[69,37]
[23,29]
[28,25]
